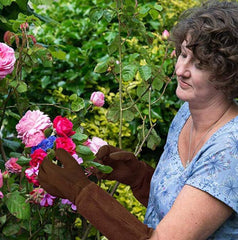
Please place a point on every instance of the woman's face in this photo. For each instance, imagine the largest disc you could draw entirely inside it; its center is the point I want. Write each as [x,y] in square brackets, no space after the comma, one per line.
[193,82]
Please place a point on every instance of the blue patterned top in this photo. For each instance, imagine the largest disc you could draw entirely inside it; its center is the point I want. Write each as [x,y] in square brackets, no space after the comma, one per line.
[214,169]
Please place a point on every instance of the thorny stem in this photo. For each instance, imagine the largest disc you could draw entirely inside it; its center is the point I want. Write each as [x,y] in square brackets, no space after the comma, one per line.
[150,106]
[120,79]
[1,122]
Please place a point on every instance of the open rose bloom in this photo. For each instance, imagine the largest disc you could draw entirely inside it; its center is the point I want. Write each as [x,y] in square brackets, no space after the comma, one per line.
[12,166]
[7,60]
[63,126]
[31,127]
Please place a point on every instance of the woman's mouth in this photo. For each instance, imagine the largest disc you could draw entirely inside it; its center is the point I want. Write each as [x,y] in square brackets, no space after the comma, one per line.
[183,84]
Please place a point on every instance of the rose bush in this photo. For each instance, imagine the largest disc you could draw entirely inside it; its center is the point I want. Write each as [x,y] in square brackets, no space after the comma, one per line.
[61,137]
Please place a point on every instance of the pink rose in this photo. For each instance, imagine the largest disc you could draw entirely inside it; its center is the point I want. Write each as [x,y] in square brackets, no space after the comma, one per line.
[1,195]
[31,127]
[63,126]
[7,60]
[66,143]
[33,138]
[95,144]
[165,34]
[97,98]
[37,157]
[1,179]
[12,167]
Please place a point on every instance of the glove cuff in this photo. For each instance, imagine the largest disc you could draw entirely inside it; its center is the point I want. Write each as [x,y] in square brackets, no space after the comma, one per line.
[109,216]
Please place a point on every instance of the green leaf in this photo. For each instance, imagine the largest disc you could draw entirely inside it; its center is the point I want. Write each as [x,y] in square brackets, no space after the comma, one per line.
[3,19]
[113,113]
[61,55]
[145,72]
[42,2]
[11,229]
[154,14]
[108,15]
[13,145]
[12,114]
[158,83]
[18,206]
[73,97]
[78,104]
[83,150]
[101,67]
[129,72]
[144,10]
[3,219]
[80,137]
[23,160]
[22,87]
[13,84]
[153,140]
[114,45]
[6,2]
[96,15]
[158,7]
[128,115]
[141,91]
[102,168]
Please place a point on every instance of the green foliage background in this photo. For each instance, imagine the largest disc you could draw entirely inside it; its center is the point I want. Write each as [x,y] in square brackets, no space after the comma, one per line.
[78,53]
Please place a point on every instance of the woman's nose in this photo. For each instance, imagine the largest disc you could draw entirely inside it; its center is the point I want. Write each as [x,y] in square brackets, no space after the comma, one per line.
[182,69]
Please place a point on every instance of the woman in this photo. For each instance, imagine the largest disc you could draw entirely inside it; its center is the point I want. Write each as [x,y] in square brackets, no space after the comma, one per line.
[193,193]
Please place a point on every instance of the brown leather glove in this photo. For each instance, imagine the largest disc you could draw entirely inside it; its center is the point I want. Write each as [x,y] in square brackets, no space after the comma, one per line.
[96,205]
[64,182]
[127,169]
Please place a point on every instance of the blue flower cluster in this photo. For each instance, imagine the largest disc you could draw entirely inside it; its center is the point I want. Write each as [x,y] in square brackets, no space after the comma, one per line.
[45,144]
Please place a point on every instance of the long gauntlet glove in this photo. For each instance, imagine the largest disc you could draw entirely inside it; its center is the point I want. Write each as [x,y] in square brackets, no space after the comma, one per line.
[96,205]
[127,169]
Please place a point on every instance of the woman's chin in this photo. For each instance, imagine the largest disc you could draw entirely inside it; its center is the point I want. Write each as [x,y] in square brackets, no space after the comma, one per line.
[181,94]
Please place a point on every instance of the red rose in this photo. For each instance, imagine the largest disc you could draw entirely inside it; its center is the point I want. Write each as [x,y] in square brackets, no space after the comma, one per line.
[37,157]
[63,126]
[67,144]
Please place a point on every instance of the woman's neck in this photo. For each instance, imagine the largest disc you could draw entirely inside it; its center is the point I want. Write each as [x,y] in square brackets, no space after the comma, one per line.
[203,117]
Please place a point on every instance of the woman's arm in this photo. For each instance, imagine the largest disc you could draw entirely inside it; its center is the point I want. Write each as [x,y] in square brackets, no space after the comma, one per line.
[195,215]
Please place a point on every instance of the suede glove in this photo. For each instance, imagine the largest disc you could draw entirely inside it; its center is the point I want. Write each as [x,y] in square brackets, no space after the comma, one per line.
[92,202]
[127,169]
[63,182]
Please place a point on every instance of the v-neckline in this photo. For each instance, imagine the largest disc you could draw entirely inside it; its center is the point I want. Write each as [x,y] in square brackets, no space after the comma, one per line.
[185,119]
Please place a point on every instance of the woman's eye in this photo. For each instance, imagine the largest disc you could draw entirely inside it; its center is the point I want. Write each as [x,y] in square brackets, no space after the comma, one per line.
[184,55]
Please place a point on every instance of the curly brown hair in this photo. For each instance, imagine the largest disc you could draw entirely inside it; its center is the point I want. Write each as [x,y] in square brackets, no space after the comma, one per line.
[213,39]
